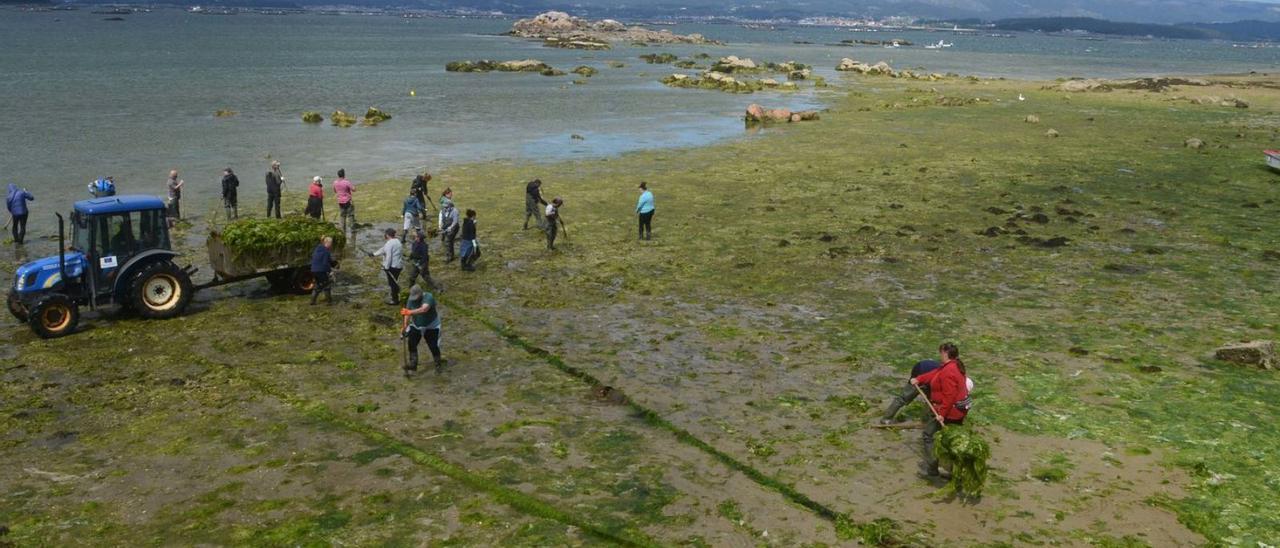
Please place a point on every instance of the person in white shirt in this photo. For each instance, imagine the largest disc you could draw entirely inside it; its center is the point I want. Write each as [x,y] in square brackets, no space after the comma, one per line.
[553,222]
[392,253]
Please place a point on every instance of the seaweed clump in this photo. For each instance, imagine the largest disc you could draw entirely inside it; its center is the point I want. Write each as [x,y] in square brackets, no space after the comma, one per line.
[342,119]
[966,453]
[272,241]
[659,58]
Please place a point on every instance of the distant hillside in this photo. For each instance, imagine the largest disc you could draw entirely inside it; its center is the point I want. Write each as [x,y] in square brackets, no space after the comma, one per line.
[1100,26]
[1242,31]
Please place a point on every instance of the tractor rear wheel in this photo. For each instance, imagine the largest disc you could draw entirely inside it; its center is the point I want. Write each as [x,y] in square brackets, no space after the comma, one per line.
[54,316]
[16,307]
[161,291]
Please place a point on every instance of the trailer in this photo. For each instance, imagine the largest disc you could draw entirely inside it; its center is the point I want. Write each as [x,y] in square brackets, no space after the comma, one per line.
[120,254]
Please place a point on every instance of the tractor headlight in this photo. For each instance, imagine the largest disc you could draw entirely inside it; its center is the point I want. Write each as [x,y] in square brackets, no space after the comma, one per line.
[24,282]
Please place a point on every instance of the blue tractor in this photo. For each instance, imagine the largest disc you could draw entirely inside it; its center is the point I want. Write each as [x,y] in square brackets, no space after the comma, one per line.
[119,254]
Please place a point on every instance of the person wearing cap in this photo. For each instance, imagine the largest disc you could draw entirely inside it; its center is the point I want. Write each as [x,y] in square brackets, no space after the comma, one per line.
[645,209]
[424,324]
[343,189]
[229,185]
[553,217]
[533,203]
[275,183]
[315,198]
[174,186]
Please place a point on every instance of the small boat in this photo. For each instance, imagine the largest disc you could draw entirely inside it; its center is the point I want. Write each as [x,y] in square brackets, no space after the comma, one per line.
[1273,159]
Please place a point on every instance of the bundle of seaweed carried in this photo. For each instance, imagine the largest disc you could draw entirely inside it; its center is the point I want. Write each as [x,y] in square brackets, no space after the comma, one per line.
[966,453]
[269,241]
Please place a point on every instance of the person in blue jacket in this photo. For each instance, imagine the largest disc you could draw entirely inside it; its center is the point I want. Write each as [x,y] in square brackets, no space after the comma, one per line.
[103,187]
[645,209]
[16,200]
[322,264]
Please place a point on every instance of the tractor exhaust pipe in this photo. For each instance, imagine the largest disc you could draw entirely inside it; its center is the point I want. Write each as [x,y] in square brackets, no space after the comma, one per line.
[62,248]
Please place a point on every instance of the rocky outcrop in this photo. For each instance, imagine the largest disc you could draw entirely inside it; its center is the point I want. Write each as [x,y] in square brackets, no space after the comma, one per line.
[312,117]
[585,71]
[576,41]
[1260,354]
[883,69]
[757,114]
[485,65]
[720,81]
[374,116]
[342,119]
[732,64]
[565,27]
[1146,84]
[1052,133]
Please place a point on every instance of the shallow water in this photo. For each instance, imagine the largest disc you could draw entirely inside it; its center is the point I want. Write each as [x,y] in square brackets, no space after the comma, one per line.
[83,97]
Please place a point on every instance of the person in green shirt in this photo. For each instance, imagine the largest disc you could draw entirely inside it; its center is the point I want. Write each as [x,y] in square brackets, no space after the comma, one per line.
[424,324]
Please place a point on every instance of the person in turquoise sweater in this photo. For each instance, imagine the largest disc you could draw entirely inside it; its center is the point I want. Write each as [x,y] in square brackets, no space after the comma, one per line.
[645,209]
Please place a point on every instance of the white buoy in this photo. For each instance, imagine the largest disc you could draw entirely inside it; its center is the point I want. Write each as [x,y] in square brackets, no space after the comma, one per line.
[413,93]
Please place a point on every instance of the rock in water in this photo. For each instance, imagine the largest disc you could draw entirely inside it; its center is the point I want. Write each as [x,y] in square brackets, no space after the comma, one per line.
[755,113]
[560,25]
[1193,143]
[312,117]
[585,71]
[374,116]
[1261,354]
[342,119]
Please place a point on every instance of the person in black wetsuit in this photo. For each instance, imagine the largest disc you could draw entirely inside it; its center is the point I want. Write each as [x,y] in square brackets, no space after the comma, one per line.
[533,202]
[908,393]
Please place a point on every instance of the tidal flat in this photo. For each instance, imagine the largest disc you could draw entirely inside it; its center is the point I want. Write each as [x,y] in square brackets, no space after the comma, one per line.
[793,278]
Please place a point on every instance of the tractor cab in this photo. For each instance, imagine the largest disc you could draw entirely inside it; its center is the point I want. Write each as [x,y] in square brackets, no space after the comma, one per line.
[110,232]
[119,253]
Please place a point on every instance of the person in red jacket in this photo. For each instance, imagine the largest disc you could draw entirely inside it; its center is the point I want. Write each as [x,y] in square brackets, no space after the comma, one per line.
[948,400]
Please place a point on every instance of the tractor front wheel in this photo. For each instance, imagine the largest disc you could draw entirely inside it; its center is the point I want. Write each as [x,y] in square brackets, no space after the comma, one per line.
[54,316]
[161,291]
[16,307]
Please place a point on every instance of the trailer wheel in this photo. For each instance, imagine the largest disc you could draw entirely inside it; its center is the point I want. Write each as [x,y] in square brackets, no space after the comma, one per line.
[54,316]
[303,280]
[16,307]
[161,291]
